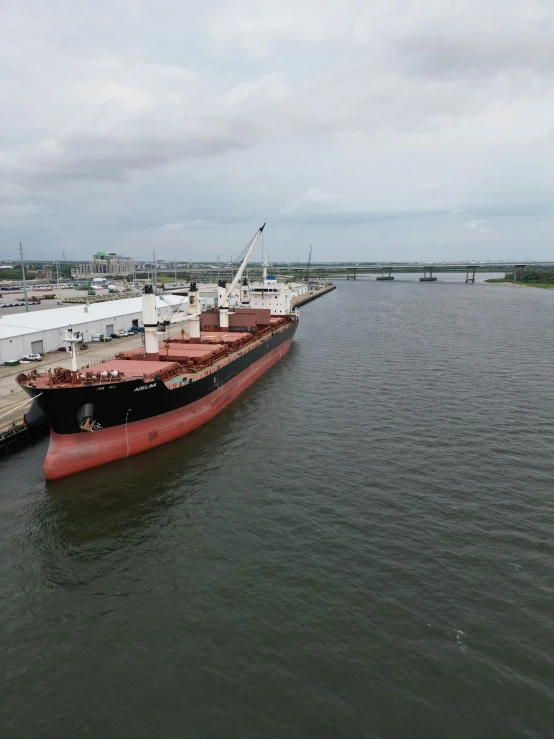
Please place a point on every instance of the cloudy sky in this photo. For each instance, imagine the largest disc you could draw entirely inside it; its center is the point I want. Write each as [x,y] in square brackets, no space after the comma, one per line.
[384,129]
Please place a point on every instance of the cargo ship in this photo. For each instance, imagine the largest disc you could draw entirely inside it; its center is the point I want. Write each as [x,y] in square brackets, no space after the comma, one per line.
[161,391]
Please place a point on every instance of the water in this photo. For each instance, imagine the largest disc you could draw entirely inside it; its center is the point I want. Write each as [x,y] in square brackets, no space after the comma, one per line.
[361,546]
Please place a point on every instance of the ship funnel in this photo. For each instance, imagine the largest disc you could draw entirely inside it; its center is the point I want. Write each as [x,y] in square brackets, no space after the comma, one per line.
[150,322]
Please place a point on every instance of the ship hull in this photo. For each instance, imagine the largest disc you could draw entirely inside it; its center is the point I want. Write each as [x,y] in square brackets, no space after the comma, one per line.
[69,453]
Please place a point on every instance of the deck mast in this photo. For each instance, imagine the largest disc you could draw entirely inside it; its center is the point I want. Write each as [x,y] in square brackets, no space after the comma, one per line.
[150,322]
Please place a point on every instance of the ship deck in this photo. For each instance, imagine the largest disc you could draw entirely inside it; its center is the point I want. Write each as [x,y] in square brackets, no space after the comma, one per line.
[180,361]
[132,368]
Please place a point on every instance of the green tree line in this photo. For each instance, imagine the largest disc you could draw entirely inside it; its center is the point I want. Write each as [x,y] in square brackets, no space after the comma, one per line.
[31,269]
[543,276]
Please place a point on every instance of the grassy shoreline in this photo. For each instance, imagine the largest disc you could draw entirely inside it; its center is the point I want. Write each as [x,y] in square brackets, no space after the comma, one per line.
[502,280]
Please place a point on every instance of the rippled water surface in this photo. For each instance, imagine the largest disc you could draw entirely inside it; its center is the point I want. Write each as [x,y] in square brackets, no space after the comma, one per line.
[360,546]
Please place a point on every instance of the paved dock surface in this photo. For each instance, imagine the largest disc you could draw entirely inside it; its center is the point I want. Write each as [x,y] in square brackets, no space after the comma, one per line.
[312,295]
[11,395]
[46,304]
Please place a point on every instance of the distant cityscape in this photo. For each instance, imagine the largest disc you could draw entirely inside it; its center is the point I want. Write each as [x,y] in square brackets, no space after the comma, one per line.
[114,266]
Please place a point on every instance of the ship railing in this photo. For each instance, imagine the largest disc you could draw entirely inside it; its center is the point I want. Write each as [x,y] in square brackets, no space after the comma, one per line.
[199,366]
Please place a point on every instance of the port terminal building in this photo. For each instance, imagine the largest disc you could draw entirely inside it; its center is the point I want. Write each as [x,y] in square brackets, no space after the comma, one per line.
[41,332]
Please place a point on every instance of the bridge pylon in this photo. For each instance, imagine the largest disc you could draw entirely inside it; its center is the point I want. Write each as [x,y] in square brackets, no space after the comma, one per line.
[430,278]
[385,277]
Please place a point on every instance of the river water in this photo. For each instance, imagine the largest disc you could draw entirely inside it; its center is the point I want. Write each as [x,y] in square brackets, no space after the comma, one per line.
[360,546]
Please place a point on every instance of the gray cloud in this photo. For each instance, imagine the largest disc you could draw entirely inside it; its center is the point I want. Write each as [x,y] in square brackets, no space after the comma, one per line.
[169,120]
[480,41]
[112,158]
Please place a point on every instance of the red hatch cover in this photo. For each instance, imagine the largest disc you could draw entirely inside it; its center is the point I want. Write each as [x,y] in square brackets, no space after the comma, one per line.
[227,338]
[131,368]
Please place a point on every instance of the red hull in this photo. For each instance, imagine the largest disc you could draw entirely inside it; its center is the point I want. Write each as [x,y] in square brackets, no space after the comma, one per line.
[71,453]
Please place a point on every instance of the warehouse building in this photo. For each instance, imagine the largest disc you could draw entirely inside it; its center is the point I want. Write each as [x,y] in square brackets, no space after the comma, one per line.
[43,331]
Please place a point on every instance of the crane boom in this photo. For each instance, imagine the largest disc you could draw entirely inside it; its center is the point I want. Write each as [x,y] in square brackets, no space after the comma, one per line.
[225,302]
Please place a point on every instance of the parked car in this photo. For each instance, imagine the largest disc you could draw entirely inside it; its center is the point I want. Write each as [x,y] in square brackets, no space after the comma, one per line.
[123,333]
[115,336]
[32,358]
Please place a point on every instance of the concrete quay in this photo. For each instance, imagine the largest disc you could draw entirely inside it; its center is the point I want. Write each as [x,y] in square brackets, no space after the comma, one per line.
[312,295]
[13,406]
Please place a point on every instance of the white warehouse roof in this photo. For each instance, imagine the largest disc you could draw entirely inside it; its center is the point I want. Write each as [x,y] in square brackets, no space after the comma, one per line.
[18,324]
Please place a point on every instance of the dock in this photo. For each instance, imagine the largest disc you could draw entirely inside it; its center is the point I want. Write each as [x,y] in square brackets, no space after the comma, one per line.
[14,432]
[313,294]
[17,434]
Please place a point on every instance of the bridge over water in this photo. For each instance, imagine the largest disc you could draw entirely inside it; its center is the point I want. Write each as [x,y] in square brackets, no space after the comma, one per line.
[429,269]
[382,270]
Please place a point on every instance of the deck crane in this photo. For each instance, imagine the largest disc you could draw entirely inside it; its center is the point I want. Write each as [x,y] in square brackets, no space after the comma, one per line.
[227,292]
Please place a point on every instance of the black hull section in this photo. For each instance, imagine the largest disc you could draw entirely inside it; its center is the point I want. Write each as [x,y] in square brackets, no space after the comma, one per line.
[125,402]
